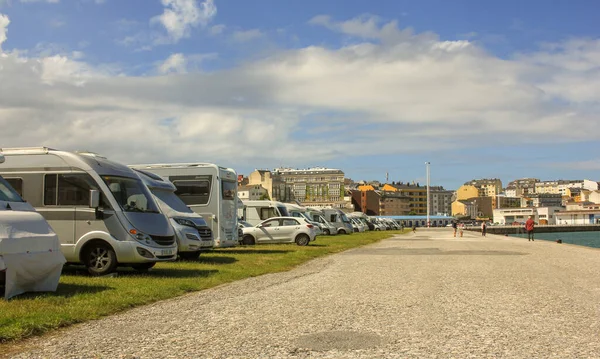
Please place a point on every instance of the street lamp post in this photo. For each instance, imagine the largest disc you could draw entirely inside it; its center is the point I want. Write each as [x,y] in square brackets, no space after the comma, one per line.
[427,166]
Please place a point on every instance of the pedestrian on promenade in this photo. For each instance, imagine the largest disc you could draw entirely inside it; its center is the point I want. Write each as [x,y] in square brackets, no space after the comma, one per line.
[414,228]
[454,225]
[529,225]
[483,228]
[461,229]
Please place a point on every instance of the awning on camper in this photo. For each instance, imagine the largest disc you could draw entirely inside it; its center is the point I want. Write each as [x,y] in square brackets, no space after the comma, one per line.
[30,255]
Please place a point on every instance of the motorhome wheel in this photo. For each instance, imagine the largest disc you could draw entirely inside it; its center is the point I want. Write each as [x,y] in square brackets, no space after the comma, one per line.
[302,240]
[99,258]
[341,231]
[189,256]
[143,267]
[248,240]
[326,232]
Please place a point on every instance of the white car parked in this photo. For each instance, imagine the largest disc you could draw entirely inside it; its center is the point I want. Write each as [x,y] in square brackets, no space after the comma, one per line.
[280,230]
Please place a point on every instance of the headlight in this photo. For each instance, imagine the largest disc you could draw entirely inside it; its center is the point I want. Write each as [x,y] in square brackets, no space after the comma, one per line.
[184,222]
[139,235]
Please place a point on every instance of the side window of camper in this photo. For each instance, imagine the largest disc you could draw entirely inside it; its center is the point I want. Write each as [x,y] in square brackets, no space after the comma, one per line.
[17,184]
[193,191]
[68,189]
[228,188]
[267,212]
[332,218]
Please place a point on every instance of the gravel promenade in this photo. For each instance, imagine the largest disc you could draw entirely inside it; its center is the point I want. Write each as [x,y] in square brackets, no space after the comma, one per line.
[420,295]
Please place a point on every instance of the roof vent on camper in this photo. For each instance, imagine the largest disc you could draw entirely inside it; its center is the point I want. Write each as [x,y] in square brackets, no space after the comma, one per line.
[90,154]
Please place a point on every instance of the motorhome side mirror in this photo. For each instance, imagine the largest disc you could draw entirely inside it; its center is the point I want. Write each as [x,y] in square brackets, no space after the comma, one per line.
[1,158]
[94,198]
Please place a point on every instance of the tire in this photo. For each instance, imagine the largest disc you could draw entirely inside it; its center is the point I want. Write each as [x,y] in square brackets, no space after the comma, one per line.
[326,232]
[302,239]
[99,258]
[341,231]
[189,256]
[248,240]
[143,267]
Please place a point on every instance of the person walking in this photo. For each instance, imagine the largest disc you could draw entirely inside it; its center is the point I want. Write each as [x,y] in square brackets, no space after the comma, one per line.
[529,225]
[454,226]
[461,228]
[483,228]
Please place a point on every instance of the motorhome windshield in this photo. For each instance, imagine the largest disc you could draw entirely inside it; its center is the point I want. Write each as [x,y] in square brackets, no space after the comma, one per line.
[229,188]
[131,194]
[171,200]
[7,193]
[344,218]
[283,211]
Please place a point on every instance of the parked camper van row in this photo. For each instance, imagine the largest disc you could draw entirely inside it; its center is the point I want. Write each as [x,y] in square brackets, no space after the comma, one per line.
[107,214]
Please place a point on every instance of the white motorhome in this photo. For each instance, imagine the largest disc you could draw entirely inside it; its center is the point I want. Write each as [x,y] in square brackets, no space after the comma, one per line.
[339,219]
[30,257]
[255,212]
[191,230]
[103,214]
[318,216]
[209,190]
[295,210]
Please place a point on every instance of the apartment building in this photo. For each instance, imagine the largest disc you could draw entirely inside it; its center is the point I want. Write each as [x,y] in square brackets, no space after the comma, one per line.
[541,200]
[522,186]
[440,201]
[487,187]
[314,186]
[417,195]
[252,192]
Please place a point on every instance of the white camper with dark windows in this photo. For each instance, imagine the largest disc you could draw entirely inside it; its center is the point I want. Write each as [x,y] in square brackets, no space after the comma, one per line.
[103,214]
[209,190]
[191,230]
[339,219]
[255,212]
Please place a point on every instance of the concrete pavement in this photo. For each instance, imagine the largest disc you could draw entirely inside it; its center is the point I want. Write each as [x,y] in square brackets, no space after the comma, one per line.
[419,295]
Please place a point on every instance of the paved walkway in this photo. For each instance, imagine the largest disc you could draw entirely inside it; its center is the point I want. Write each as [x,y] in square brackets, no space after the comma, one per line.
[422,295]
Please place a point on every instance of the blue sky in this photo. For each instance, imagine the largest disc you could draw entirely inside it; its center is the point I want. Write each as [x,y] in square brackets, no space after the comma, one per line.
[480,89]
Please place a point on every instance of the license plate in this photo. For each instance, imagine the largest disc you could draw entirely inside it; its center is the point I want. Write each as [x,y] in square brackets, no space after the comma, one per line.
[166,252]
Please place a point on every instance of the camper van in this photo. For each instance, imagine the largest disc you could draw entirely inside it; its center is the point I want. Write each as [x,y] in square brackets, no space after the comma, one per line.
[209,190]
[318,216]
[30,257]
[191,230]
[339,219]
[299,211]
[103,214]
[255,212]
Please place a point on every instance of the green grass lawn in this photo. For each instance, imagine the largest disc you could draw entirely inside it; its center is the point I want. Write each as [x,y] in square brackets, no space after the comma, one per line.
[80,297]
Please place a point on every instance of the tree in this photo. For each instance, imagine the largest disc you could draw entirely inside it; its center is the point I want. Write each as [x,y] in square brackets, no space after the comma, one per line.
[412,213]
[265,196]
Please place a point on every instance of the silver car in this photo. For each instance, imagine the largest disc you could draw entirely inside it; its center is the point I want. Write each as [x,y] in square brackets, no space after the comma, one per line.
[280,230]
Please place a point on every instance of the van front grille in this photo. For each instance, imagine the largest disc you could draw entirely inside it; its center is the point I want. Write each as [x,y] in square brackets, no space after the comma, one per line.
[163,240]
[205,233]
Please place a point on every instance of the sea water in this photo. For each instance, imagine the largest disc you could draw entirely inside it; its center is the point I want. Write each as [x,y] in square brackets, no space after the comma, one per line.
[588,239]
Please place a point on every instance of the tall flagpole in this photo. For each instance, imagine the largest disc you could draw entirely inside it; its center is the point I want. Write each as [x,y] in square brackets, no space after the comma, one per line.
[427,166]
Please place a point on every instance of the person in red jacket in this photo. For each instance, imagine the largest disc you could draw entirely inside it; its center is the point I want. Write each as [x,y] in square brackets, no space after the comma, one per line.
[529,228]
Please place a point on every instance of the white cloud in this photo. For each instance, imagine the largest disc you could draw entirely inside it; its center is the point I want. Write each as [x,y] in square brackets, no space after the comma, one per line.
[247,35]
[175,63]
[4,22]
[180,16]
[393,92]
[217,29]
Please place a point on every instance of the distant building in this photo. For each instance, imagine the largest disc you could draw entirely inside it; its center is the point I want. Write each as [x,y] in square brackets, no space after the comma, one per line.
[522,186]
[417,195]
[393,203]
[541,200]
[488,187]
[518,216]
[581,214]
[440,201]
[474,208]
[252,192]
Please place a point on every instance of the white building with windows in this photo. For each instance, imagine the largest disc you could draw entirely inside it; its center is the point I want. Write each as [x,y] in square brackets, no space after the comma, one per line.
[252,192]
[541,215]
